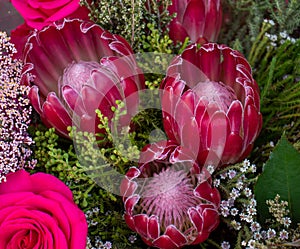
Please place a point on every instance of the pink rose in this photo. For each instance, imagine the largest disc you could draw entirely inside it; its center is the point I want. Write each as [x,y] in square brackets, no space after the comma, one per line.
[40,13]
[38,211]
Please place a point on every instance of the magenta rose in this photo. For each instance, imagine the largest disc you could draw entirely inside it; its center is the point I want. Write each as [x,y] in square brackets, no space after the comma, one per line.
[40,13]
[38,211]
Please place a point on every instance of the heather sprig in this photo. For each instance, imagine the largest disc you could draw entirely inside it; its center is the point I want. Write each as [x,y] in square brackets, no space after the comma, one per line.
[131,19]
[15,112]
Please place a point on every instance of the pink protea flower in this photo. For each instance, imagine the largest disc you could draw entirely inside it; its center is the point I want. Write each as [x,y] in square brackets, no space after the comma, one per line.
[211,104]
[167,199]
[77,67]
[195,19]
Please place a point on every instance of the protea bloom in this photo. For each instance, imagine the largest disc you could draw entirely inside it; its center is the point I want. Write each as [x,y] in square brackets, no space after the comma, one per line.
[167,199]
[78,67]
[211,104]
[195,19]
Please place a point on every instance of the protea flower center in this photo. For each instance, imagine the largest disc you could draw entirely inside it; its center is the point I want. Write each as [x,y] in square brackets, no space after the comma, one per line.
[216,92]
[168,195]
[78,74]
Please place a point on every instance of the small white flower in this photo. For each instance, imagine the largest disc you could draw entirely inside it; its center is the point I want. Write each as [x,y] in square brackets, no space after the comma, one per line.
[239,185]
[108,245]
[284,235]
[283,35]
[236,225]
[271,233]
[235,193]
[217,182]
[132,239]
[271,22]
[257,236]
[223,175]
[273,44]
[210,169]
[225,245]
[287,221]
[231,173]
[251,243]
[248,192]
[231,202]
[273,38]
[225,212]
[255,226]
[253,202]
[251,211]
[253,168]
[234,211]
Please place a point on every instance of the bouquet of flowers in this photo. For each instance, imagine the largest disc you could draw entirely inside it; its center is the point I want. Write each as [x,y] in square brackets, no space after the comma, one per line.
[149,123]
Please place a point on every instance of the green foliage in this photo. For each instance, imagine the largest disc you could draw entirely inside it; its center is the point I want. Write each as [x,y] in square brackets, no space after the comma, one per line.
[124,18]
[277,73]
[281,176]
[243,19]
[88,171]
[155,41]
[129,18]
[286,16]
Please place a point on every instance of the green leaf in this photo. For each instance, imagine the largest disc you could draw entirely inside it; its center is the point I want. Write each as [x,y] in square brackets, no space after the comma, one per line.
[281,176]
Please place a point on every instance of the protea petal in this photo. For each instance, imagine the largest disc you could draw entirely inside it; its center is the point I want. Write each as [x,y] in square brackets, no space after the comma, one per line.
[176,236]
[54,113]
[130,202]
[233,147]
[153,228]
[218,130]
[180,33]
[73,100]
[235,115]
[33,95]
[129,221]
[209,62]
[251,117]
[214,14]
[141,224]
[205,191]
[164,242]
[196,219]
[211,218]
[195,19]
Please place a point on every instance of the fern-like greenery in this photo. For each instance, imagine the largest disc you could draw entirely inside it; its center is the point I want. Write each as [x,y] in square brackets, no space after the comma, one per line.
[277,73]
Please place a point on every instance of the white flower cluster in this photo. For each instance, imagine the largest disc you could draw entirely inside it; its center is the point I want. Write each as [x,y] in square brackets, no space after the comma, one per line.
[275,39]
[98,244]
[239,209]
